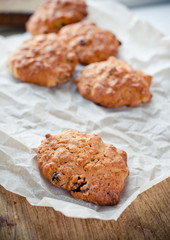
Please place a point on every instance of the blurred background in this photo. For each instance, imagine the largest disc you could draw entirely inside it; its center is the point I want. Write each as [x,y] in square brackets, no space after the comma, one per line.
[14,13]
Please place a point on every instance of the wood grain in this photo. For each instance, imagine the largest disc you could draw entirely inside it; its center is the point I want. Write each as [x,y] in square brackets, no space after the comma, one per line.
[146,218]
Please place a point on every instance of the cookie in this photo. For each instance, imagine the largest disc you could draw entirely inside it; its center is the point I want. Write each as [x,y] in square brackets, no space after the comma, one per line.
[43,60]
[113,83]
[90,42]
[83,164]
[54,14]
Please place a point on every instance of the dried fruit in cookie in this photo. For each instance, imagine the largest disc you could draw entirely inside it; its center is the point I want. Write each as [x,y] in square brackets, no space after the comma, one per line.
[84,165]
[90,42]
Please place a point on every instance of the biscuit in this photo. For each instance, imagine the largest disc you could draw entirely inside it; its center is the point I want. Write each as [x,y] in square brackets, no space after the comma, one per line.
[90,42]
[84,165]
[43,60]
[54,14]
[113,83]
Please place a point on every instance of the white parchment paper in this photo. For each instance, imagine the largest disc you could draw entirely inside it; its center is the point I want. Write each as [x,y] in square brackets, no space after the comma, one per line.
[28,112]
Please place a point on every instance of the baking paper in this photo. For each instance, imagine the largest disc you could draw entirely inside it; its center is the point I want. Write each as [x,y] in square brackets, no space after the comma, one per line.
[28,112]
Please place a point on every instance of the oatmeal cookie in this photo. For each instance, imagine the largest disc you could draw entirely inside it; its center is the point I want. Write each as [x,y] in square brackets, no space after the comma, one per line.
[90,42]
[43,60]
[113,83]
[84,165]
[54,14]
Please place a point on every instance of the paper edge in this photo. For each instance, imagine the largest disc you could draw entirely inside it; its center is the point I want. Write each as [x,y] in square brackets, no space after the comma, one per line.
[68,212]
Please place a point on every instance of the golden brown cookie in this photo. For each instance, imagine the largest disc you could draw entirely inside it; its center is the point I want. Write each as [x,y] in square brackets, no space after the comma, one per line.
[83,164]
[114,83]
[43,60]
[54,14]
[90,42]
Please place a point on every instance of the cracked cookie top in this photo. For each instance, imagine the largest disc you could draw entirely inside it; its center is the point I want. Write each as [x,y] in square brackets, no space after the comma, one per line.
[54,14]
[44,60]
[114,83]
[83,164]
[90,42]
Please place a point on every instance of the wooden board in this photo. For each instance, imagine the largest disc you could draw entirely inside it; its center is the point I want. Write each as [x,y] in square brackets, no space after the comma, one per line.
[146,218]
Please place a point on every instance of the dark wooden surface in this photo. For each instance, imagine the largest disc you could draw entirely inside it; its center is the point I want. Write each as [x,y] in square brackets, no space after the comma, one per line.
[146,218]
[14,19]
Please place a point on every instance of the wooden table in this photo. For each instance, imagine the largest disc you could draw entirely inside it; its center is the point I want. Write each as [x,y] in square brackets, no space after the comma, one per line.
[146,218]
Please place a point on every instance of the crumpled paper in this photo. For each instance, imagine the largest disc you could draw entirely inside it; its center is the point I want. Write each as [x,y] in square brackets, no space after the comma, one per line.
[28,112]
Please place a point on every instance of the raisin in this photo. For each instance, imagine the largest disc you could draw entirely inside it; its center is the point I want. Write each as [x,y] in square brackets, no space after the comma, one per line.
[78,185]
[82,42]
[55,177]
